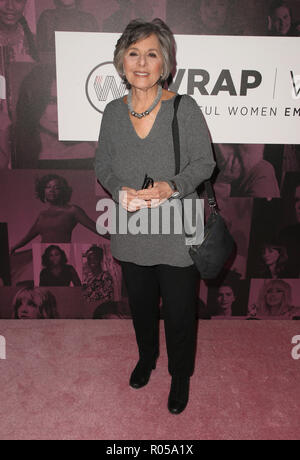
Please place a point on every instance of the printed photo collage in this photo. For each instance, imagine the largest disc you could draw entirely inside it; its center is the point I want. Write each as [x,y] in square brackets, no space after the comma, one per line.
[53,262]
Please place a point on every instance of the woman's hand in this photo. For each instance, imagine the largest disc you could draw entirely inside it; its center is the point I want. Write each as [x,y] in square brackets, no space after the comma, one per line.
[156,195]
[130,201]
[152,197]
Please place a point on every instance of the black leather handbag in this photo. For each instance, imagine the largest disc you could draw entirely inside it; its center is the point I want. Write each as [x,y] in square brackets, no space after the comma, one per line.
[211,255]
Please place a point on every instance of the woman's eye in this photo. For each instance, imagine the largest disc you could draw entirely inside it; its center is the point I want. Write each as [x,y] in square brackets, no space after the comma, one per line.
[153,55]
[132,54]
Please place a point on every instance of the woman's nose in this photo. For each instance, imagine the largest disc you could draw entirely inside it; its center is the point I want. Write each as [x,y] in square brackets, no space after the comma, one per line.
[142,60]
[9,4]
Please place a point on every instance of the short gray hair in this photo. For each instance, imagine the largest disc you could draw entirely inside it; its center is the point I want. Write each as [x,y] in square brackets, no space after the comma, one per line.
[139,29]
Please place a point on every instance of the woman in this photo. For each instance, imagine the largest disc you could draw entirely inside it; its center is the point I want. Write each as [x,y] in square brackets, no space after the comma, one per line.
[280,20]
[136,139]
[228,298]
[275,299]
[225,300]
[66,16]
[34,135]
[34,303]
[15,32]
[56,271]
[57,222]
[274,261]
[16,45]
[98,284]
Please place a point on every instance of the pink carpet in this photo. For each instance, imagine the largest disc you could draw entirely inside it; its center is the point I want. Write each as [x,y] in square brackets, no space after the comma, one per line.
[69,380]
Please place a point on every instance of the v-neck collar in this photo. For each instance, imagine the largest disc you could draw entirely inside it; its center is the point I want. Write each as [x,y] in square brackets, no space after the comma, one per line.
[163,103]
[152,127]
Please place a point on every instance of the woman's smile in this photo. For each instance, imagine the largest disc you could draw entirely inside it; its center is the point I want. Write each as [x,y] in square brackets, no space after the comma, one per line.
[141,74]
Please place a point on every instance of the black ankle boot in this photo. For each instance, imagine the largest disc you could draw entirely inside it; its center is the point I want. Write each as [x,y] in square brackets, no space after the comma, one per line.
[141,375]
[179,394]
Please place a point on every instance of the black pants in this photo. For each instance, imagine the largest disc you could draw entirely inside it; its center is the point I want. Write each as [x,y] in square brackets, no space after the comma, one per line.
[178,287]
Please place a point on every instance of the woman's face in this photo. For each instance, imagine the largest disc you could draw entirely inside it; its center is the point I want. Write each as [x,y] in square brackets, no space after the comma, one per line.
[143,63]
[225,297]
[28,310]
[11,11]
[270,255]
[55,258]
[213,14]
[297,203]
[94,261]
[49,119]
[282,20]
[52,191]
[274,296]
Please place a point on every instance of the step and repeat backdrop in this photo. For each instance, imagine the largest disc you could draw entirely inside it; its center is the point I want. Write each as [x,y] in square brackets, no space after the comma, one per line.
[240,61]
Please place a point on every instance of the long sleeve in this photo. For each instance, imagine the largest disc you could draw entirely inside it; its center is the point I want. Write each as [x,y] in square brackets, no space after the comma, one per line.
[201,161]
[103,161]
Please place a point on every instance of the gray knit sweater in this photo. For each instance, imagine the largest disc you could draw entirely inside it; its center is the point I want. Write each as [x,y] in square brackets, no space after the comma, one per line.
[123,159]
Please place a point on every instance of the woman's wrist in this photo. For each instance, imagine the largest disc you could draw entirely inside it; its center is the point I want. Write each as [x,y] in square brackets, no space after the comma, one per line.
[174,190]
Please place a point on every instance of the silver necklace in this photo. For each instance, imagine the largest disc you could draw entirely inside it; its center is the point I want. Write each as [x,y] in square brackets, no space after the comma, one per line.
[152,106]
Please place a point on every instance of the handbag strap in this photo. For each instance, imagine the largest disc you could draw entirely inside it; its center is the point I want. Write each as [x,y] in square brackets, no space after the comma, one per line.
[176,137]
[176,142]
